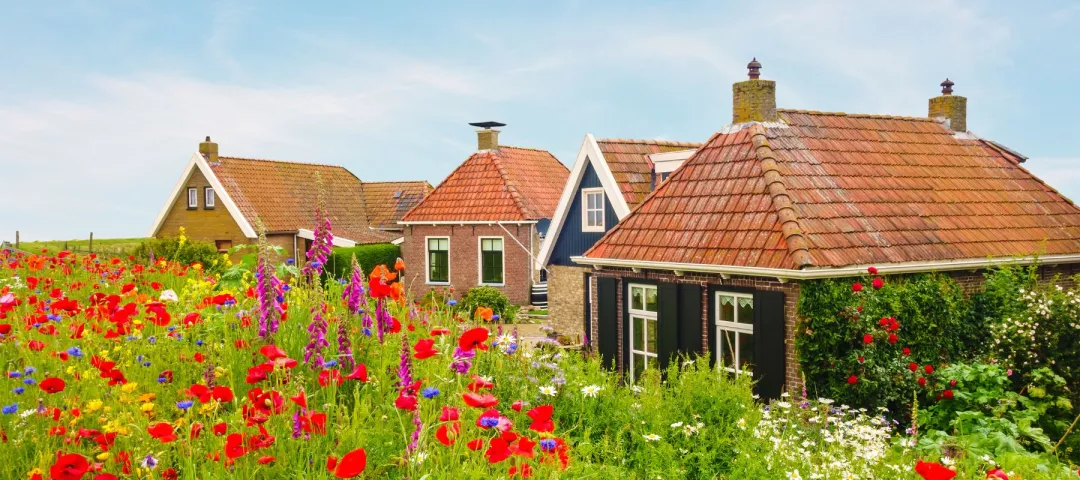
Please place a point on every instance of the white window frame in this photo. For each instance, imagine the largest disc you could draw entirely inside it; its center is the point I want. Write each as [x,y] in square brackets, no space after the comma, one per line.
[480,260]
[585,192]
[737,328]
[209,197]
[646,315]
[193,197]
[427,260]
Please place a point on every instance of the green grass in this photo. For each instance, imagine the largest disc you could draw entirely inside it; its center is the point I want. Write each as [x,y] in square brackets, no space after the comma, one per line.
[101,245]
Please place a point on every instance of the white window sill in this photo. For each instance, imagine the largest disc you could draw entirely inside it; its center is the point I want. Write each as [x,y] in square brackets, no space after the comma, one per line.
[443,284]
[592,230]
[492,284]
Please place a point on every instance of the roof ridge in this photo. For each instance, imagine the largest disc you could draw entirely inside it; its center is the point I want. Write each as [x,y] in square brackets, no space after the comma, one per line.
[510,187]
[395,181]
[864,115]
[775,187]
[526,148]
[270,160]
[637,141]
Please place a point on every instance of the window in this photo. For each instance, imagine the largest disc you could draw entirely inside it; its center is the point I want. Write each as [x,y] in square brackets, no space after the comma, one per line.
[223,246]
[491,260]
[208,198]
[735,331]
[592,210]
[664,176]
[642,329]
[192,198]
[438,254]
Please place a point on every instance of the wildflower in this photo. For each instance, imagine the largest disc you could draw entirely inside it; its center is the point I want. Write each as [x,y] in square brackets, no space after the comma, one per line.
[548,390]
[184,404]
[10,409]
[429,392]
[168,296]
[794,475]
[149,461]
[547,444]
[947,394]
[872,270]
[541,419]
[590,390]
[71,466]
[651,437]
[351,465]
[933,471]
[52,385]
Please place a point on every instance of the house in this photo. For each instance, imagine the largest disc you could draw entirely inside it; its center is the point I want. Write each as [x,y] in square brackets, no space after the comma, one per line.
[482,225]
[219,199]
[609,178]
[713,259]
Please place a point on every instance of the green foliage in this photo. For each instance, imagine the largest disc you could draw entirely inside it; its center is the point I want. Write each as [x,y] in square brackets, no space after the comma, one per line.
[935,323]
[236,274]
[339,263]
[490,297]
[181,250]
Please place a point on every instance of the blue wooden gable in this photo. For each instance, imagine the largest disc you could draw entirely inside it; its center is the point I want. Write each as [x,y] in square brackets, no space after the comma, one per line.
[572,241]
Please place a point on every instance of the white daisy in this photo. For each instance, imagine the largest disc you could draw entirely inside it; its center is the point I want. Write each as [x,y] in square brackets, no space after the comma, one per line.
[548,390]
[590,390]
[651,437]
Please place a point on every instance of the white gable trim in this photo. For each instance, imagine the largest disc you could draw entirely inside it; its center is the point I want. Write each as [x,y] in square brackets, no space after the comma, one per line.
[198,161]
[337,241]
[588,153]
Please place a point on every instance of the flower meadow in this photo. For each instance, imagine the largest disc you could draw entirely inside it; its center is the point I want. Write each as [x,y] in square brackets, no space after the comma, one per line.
[118,369]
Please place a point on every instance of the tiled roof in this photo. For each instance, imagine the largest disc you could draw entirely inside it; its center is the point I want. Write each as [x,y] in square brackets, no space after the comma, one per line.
[630,165]
[507,184]
[283,195]
[388,202]
[834,189]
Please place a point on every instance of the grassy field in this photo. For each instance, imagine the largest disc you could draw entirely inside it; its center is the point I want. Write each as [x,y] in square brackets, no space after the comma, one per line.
[101,245]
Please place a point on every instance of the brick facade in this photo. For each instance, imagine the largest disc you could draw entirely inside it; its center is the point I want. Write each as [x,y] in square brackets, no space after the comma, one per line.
[518,270]
[566,300]
[201,224]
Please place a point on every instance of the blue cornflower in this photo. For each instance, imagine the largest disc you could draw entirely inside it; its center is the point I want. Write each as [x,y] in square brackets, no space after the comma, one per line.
[152,340]
[184,404]
[199,342]
[149,462]
[19,390]
[495,317]
[139,358]
[10,409]
[75,352]
[146,364]
[286,288]
[511,349]
[14,374]
[342,281]
[162,379]
[330,363]
[547,444]
[488,421]
[290,261]
[451,302]
[429,392]
[54,317]
[171,328]
[132,338]
[29,370]
[367,332]
[29,381]
[316,264]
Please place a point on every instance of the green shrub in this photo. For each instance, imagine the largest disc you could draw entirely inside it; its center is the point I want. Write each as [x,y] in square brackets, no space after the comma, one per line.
[180,250]
[339,264]
[489,297]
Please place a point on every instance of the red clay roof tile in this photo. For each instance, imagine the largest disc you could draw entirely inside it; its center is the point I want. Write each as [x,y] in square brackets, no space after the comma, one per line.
[629,163]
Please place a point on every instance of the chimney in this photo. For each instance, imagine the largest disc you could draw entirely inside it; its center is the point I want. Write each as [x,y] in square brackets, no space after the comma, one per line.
[754,100]
[209,150]
[487,138]
[952,108]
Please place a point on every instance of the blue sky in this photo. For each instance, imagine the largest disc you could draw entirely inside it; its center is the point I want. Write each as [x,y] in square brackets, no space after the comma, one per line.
[102,103]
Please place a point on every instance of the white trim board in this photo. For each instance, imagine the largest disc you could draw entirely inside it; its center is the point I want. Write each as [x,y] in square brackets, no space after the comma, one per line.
[668,162]
[198,161]
[337,241]
[588,153]
[480,260]
[467,222]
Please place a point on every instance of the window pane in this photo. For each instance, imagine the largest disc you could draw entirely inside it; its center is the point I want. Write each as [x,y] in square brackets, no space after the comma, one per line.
[491,267]
[650,336]
[639,334]
[639,365]
[746,351]
[727,308]
[650,299]
[746,310]
[438,262]
[637,298]
[727,348]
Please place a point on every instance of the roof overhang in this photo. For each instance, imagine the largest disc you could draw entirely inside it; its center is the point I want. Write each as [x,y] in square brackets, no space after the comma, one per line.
[337,241]
[670,161]
[222,195]
[467,222]
[397,241]
[784,274]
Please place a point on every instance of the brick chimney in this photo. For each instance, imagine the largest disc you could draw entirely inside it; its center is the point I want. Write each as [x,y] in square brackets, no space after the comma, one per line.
[487,138]
[754,100]
[209,150]
[952,108]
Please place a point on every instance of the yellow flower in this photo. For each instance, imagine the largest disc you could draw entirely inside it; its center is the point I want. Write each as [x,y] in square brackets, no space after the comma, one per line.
[70,370]
[103,456]
[36,471]
[94,405]
[129,387]
[208,408]
[147,407]
[219,372]
[107,409]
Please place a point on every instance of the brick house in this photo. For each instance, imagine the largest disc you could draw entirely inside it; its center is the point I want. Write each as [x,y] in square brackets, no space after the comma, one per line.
[608,179]
[218,199]
[713,259]
[482,225]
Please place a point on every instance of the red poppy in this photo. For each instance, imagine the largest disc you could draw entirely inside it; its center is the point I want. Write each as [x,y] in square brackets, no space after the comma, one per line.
[273,352]
[498,450]
[162,431]
[877,283]
[933,471]
[523,447]
[351,464]
[5,328]
[266,459]
[106,476]
[300,399]
[447,433]
[424,348]
[475,444]
[234,445]
[474,338]
[406,402]
[52,385]
[71,466]
[479,383]
[852,380]
[448,414]
[517,405]
[196,430]
[220,429]
[440,331]
[314,422]
[476,400]
[541,419]
[326,377]
[358,373]
[192,319]
[997,473]
[856,287]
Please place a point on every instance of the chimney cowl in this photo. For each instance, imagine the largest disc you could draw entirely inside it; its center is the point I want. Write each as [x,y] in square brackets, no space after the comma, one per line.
[487,138]
[209,150]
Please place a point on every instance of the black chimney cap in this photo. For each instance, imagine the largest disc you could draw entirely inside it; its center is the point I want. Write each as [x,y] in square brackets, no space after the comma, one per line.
[488,125]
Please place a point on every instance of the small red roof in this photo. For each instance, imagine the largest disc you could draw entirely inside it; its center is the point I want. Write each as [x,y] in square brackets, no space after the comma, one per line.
[505,184]
[388,202]
[629,163]
[833,189]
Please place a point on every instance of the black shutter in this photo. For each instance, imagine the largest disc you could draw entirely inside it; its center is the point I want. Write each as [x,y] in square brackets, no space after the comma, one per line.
[690,319]
[667,322]
[607,309]
[769,349]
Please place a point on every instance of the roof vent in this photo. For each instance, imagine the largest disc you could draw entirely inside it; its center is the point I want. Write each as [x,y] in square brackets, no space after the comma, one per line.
[397,194]
[487,138]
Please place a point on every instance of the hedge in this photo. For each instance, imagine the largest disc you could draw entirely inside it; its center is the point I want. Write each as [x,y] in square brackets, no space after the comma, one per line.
[339,264]
[186,252]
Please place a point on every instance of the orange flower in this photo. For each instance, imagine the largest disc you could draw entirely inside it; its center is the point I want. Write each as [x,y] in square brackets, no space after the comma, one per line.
[484,313]
[399,265]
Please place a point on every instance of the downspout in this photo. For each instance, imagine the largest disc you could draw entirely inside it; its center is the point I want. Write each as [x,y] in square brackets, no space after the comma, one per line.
[532,259]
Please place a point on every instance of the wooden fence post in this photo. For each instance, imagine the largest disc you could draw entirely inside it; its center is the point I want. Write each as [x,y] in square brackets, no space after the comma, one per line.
[91,246]
[16,239]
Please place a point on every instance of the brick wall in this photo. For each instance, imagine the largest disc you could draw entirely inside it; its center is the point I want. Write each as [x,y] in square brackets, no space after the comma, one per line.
[465,257]
[566,300]
[285,241]
[791,296]
[972,281]
[200,224]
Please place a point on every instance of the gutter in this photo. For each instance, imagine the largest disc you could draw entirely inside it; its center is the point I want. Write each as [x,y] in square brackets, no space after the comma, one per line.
[784,274]
[468,222]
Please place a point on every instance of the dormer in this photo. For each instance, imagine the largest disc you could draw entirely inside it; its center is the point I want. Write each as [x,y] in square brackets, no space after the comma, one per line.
[663,164]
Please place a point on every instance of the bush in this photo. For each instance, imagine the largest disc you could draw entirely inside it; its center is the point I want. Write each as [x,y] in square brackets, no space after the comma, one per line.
[339,264]
[489,297]
[182,250]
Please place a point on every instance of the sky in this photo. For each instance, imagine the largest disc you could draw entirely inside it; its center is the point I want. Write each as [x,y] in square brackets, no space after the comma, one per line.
[103,103]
